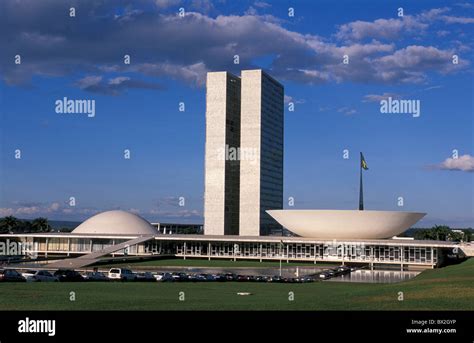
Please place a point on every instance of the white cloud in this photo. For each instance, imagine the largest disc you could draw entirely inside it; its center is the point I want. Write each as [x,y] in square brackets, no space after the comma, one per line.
[465,5]
[44,209]
[457,20]
[192,74]
[166,3]
[5,212]
[118,80]
[380,28]
[410,64]
[54,206]
[396,27]
[113,86]
[347,111]
[462,163]
[28,210]
[89,81]
[379,97]
[262,4]
[185,48]
[288,99]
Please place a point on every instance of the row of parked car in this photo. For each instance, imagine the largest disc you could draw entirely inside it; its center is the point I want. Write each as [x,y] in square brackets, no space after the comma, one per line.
[123,274]
[128,275]
[330,273]
[12,275]
[187,277]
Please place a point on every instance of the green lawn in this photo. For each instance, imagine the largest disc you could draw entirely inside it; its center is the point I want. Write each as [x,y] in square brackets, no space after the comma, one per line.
[450,288]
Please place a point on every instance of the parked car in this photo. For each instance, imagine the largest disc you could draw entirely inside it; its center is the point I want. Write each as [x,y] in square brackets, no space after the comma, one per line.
[306,279]
[29,275]
[95,276]
[163,277]
[289,280]
[146,276]
[68,275]
[179,276]
[39,276]
[192,278]
[121,274]
[201,277]
[344,270]
[324,275]
[11,275]
[275,279]
[210,277]
[220,278]
[230,277]
[244,278]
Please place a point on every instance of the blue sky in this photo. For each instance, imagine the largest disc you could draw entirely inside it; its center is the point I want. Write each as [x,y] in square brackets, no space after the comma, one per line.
[336,106]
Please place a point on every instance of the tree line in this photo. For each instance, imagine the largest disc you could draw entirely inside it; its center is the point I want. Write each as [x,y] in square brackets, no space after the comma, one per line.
[444,233]
[11,224]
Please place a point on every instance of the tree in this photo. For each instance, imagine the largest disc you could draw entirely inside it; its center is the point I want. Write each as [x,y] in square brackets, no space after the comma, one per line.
[40,225]
[9,224]
[441,232]
[468,235]
[25,226]
[456,236]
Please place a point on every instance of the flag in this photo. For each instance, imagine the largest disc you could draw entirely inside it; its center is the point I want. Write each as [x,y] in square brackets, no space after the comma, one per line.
[363,164]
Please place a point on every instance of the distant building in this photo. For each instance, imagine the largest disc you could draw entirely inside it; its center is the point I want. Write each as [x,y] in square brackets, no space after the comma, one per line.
[175,228]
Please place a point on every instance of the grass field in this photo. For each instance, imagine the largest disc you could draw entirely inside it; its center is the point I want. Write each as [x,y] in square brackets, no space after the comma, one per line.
[450,288]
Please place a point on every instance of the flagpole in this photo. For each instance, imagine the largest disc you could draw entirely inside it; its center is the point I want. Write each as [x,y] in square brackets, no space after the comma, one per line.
[361,195]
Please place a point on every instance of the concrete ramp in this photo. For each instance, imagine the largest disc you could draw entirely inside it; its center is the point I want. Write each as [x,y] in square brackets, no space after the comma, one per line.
[91,258]
[467,249]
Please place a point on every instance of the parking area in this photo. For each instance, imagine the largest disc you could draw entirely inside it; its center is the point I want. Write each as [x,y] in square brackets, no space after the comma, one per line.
[128,275]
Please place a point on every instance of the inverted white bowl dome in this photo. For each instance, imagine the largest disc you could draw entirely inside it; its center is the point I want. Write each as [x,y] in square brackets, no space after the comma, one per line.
[346,224]
[116,223]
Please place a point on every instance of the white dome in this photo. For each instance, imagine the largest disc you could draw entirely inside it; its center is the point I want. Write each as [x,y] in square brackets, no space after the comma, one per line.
[116,223]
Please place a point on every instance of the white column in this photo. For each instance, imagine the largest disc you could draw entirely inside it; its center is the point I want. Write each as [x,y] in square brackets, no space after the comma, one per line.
[315,254]
[402,257]
[47,244]
[371,257]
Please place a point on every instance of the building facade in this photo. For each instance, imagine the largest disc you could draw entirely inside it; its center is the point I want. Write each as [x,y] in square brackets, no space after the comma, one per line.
[244,153]
[405,254]
[261,178]
[222,170]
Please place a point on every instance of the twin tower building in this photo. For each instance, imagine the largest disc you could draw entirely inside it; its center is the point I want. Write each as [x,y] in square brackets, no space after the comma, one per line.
[244,153]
